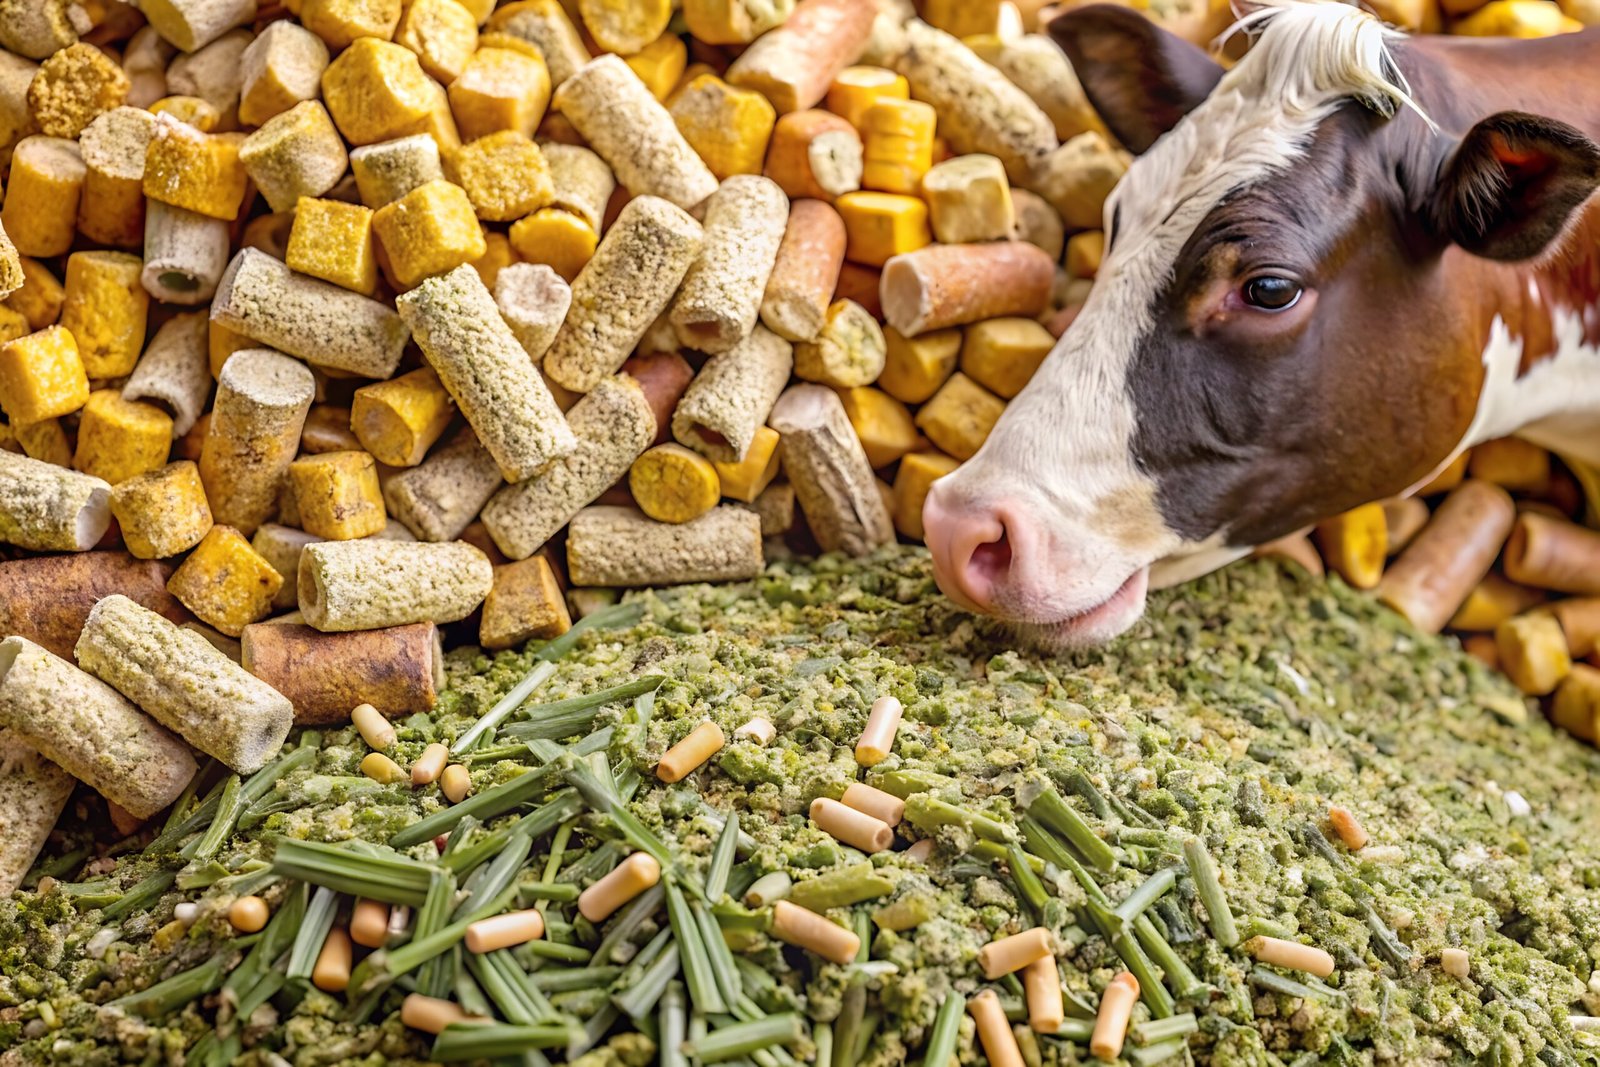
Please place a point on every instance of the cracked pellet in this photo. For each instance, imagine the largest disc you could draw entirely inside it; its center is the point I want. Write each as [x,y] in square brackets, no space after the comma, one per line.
[370,584]
[721,295]
[46,508]
[731,396]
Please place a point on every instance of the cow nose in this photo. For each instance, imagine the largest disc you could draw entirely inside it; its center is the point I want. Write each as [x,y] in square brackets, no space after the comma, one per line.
[971,548]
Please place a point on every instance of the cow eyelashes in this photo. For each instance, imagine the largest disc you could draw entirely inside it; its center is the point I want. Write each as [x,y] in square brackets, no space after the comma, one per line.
[1271,292]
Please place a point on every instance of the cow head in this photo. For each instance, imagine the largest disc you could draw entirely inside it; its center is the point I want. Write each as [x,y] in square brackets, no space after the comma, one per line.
[1272,337]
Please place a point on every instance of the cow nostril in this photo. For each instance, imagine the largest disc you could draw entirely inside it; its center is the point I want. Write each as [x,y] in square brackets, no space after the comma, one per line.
[990,561]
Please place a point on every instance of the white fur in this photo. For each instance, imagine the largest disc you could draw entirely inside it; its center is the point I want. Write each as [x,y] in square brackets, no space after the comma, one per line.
[1554,404]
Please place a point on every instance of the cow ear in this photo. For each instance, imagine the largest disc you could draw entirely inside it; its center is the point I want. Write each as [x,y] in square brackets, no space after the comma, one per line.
[1140,78]
[1512,183]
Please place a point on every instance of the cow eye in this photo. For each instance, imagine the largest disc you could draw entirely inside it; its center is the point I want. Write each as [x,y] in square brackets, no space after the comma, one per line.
[1272,292]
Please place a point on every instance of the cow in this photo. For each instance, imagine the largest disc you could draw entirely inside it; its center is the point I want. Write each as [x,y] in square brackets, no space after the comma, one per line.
[1328,271]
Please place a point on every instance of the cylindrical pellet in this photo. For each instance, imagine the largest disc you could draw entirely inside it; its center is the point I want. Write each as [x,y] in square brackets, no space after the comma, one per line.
[830,471]
[731,397]
[619,546]
[1428,582]
[885,807]
[90,729]
[1111,1023]
[794,64]
[1575,707]
[46,508]
[441,497]
[106,310]
[331,973]
[1014,953]
[182,681]
[163,512]
[721,295]
[805,929]
[399,669]
[621,290]
[627,880]
[174,373]
[533,299]
[303,316]
[369,923]
[1493,601]
[185,254]
[1554,554]
[371,584]
[35,795]
[504,931]
[1405,517]
[480,362]
[1532,651]
[672,484]
[806,272]
[848,353]
[994,1030]
[952,285]
[47,598]
[814,154]
[1041,982]
[624,122]
[281,546]
[112,208]
[382,769]
[897,145]
[44,186]
[855,828]
[254,433]
[376,730]
[430,764]
[877,740]
[431,1014]
[664,376]
[583,181]
[1579,618]
[612,425]
[1290,954]
[683,758]
[336,495]
[193,24]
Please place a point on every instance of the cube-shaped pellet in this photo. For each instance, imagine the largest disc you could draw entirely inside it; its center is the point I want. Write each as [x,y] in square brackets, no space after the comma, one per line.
[282,67]
[745,479]
[442,33]
[969,199]
[400,419]
[337,495]
[377,91]
[340,22]
[216,73]
[41,376]
[200,172]
[526,602]
[1084,252]
[118,439]
[332,240]
[500,89]
[73,88]
[728,127]
[880,226]
[297,153]
[42,192]
[498,255]
[661,63]
[546,25]
[388,170]
[225,582]
[1002,354]
[430,230]
[558,238]
[913,478]
[915,367]
[960,415]
[504,175]
[162,512]
[106,308]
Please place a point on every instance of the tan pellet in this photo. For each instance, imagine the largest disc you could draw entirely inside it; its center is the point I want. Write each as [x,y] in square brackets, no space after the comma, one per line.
[994,1030]
[113,147]
[1014,953]
[1290,954]
[794,64]
[253,435]
[1037,66]
[249,914]
[921,851]
[331,974]
[627,880]
[805,929]
[504,931]
[47,508]
[685,757]
[388,170]
[855,828]
[544,24]
[533,299]
[479,360]
[376,730]
[877,740]
[621,546]
[583,181]
[848,352]
[430,764]
[282,67]
[886,807]
[369,923]
[369,584]
[621,290]
[1430,580]
[430,1014]
[1077,177]
[1041,981]
[969,199]
[193,24]
[174,373]
[381,768]
[829,469]
[731,397]
[623,121]
[1111,1024]
[759,731]
[953,285]
[36,793]
[721,295]
[455,783]
[440,498]
[1455,962]
[1348,828]
[185,254]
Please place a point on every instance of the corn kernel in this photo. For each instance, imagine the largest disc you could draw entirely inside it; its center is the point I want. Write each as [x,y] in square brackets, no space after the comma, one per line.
[200,172]
[41,206]
[897,145]
[729,127]
[190,110]
[376,91]
[442,33]
[557,238]
[857,89]
[341,22]
[332,240]
[400,419]
[430,230]
[42,376]
[162,512]
[880,226]
[225,582]
[119,438]
[746,479]
[1002,354]
[500,89]
[969,199]
[915,476]
[504,174]
[960,415]
[106,309]
[337,495]
[41,296]
[660,63]
[282,67]
[882,424]
[73,87]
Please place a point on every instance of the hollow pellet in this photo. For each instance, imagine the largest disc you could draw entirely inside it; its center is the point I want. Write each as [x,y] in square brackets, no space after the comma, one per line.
[47,508]
[794,64]
[618,546]
[481,363]
[253,435]
[731,397]
[830,471]
[398,670]
[174,373]
[440,498]
[612,426]
[112,208]
[36,794]
[370,584]
[90,729]
[685,757]
[806,929]
[721,296]
[504,931]
[877,740]
[805,273]
[185,254]
[303,316]
[184,683]
[47,598]
[624,122]
[627,880]
[885,807]
[533,299]
[582,181]
[621,290]
[855,828]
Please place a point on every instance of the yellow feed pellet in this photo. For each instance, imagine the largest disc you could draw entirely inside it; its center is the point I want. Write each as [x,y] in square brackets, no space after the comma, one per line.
[377,91]
[556,237]
[118,439]
[429,231]
[504,174]
[106,309]
[40,214]
[400,419]
[200,172]
[41,377]
[442,33]
[332,240]
[661,63]
[728,127]
[337,495]
[500,89]
[225,582]
[880,226]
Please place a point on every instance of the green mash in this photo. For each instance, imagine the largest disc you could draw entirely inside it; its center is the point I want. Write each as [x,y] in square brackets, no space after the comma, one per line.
[1236,713]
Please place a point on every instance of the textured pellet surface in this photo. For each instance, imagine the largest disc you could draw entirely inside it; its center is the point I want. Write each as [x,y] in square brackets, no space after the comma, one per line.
[370,584]
[615,546]
[730,397]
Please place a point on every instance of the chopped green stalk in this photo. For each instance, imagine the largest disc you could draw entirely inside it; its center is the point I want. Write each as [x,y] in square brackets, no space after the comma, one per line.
[264,990]
[393,879]
[1146,894]
[558,849]
[672,1023]
[180,807]
[574,978]
[1273,982]
[1204,872]
[1028,883]
[269,944]
[392,963]
[593,1030]
[905,781]
[228,808]
[1054,812]
[576,715]
[847,1026]
[560,892]
[717,951]
[461,1042]
[633,831]
[313,932]
[596,864]
[1151,991]
[504,963]
[615,617]
[930,815]
[640,997]
[822,1038]
[1155,1031]
[167,839]
[1386,943]
[1182,980]
[842,888]
[260,783]
[467,993]
[722,859]
[632,916]
[946,1031]
[869,1029]
[432,979]
[560,807]
[703,988]
[552,950]
[769,889]
[62,865]
[995,853]
[168,997]
[1044,844]
[1150,1055]
[1079,1030]
[643,958]
[141,895]
[746,845]
[741,1039]
[503,707]
[201,876]
[500,873]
